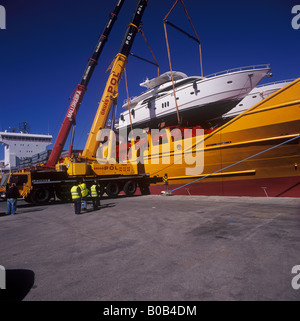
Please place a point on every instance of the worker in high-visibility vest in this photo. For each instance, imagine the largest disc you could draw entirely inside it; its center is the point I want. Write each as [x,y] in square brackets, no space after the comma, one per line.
[95,193]
[84,194]
[76,197]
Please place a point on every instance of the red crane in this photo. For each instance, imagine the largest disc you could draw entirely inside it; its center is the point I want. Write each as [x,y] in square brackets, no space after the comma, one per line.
[70,118]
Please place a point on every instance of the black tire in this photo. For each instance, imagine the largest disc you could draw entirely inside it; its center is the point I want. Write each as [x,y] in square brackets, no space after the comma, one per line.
[144,188]
[41,195]
[130,188]
[64,194]
[102,190]
[112,189]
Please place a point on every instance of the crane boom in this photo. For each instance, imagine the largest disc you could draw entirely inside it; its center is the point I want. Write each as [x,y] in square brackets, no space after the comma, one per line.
[110,93]
[70,118]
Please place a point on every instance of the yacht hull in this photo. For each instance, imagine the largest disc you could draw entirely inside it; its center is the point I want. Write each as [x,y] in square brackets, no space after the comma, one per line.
[196,99]
[190,116]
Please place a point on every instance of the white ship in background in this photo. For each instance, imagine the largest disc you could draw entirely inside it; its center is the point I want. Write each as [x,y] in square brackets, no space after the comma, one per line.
[255,96]
[199,99]
[20,145]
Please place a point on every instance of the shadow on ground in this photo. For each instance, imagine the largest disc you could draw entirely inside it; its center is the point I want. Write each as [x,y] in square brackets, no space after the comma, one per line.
[90,210]
[18,284]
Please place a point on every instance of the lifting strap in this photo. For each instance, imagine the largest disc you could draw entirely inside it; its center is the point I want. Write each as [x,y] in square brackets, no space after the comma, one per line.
[126,82]
[128,101]
[196,38]
[168,49]
[150,51]
[172,77]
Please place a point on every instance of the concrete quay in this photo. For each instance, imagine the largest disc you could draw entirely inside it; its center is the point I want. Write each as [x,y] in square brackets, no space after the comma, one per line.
[153,248]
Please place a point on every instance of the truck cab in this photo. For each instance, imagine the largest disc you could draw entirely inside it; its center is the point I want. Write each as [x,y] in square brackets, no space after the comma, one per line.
[22,180]
[3,184]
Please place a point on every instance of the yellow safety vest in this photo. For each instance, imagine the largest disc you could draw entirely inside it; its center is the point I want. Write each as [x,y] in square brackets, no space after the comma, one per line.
[74,193]
[84,190]
[94,191]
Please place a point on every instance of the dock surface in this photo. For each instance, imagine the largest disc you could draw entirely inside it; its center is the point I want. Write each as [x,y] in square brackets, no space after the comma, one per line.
[153,248]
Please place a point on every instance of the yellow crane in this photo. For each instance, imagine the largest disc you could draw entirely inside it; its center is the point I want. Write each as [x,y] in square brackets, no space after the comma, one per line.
[41,186]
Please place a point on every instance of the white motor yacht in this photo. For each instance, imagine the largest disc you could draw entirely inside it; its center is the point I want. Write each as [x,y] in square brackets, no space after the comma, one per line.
[255,96]
[198,98]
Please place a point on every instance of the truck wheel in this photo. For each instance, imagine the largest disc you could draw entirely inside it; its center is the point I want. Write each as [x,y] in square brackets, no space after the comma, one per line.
[40,195]
[64,194]
[144,188]
[130,188]
[112,189]
[101,192]
[65,197]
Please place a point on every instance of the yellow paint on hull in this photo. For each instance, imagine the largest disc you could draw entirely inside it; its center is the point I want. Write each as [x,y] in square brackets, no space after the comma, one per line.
[271,122]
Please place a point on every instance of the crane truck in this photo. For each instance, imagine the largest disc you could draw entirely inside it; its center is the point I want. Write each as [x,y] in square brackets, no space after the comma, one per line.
[39,186]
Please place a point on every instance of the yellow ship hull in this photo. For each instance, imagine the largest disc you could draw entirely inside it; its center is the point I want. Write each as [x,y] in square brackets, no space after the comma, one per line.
[255,154]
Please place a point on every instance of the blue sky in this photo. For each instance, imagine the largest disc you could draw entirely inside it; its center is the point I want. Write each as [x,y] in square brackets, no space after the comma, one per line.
[46,45]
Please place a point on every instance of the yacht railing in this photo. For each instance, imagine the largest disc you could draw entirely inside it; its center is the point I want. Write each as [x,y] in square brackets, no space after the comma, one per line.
[253,67]
[125,101]
[276,82]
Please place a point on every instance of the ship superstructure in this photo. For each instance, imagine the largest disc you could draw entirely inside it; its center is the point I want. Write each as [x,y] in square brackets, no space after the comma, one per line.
[19,144]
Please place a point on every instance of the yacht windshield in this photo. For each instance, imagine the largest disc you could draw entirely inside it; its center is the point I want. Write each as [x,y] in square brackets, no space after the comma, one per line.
[179,84]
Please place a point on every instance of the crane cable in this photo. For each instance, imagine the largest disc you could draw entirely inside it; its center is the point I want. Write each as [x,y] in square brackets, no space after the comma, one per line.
[128,100]
[150,50]
[126,81]
[195,32]
[172,77]
[169,55]
[200,51]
